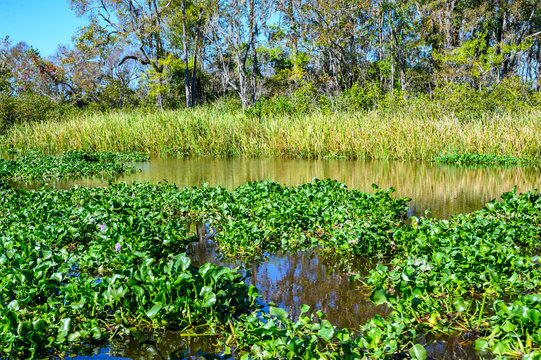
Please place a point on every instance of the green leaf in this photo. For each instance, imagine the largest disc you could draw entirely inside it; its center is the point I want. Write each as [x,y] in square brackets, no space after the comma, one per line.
[39,325]
[182,261]
[64,329]
[460,304]
[481,345]
[378,296]
[209,297]
[499,348]
[155,309]
[534,316]
[418,352]
[305,308]
[326,332]
[280,313]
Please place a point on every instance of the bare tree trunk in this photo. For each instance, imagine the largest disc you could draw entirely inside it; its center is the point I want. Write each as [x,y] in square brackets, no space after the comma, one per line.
[380,48]
[159,95]
[194,78]
[253,36]
[399,59]
[185,50]
[194,93]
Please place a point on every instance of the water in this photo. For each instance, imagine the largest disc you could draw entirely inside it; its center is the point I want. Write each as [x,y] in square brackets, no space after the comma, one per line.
[290,280]
[444,190]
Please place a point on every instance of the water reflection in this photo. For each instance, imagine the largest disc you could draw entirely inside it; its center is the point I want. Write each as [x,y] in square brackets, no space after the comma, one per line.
[452,348]
[166,342]
[444,190]
[291,280]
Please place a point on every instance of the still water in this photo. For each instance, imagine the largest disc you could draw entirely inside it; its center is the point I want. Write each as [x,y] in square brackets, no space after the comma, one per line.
[444,190]
[290,280]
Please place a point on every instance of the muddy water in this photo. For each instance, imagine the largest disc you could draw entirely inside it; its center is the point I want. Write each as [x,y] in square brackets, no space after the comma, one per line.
[444,190]
[290,280]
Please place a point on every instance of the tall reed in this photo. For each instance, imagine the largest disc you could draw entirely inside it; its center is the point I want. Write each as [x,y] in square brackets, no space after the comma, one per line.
[209,132]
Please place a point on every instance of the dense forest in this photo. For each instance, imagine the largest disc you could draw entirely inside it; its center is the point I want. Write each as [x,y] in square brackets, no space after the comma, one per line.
[279,56]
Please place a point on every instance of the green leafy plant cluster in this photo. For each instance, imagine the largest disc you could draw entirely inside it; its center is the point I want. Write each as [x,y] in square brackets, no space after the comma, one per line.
[267,216]
[274,335]
[33,165]
[470,159]
[88,265]
[474,274]
[448,274]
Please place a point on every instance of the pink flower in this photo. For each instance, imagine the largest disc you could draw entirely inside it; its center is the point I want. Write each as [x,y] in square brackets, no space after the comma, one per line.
[117,247]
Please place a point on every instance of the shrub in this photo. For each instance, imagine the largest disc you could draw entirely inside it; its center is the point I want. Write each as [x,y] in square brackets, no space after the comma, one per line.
[29,108]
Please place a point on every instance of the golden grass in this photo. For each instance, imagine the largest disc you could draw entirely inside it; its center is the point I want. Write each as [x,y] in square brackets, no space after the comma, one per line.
[208,132]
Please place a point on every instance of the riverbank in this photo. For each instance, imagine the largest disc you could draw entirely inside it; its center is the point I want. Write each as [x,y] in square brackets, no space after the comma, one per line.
[409,134]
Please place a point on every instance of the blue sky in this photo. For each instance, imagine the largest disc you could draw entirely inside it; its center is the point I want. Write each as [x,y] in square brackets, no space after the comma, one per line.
[43,24]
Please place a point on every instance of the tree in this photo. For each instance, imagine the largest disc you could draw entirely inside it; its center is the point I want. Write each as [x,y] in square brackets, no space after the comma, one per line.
[187,32]
[236,30]
[137,24]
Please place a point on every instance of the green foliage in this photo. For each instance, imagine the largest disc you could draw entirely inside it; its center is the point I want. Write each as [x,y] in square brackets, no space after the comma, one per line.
[169,84]
[276,336]
[483,160]
[32,165]
[29,108]
[446,271]
[266,216]
[88,265]
[308,99]
[478,59]
[515,328]
[511,95]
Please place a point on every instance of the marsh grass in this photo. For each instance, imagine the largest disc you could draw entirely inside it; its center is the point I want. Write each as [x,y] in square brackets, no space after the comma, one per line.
[411,133]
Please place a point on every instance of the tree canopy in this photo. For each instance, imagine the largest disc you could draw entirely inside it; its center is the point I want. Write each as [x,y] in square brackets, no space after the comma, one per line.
[182,53]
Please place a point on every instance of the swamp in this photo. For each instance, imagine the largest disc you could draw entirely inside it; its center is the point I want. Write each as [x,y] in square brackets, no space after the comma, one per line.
[270,179]
[123,256]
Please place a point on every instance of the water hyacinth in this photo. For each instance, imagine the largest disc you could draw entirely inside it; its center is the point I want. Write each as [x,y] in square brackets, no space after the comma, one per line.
[444,276]
[32,165]
[110,295]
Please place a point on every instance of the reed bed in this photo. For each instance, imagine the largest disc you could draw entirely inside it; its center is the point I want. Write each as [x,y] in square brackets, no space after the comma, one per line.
[208,132]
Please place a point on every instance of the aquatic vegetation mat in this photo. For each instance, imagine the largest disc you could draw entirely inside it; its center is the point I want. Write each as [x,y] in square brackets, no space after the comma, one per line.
[86,265]
[90,265]
[483,160]
[475,273]
[267,216]
[32,165]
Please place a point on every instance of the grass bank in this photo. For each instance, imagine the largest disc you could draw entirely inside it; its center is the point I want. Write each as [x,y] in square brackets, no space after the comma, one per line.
[209,132]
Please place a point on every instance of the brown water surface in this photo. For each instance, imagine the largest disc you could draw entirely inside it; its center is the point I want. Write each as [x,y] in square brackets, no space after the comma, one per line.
[444,190]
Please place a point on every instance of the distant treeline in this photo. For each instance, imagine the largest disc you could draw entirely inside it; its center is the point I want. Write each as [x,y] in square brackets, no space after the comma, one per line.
[281,56]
